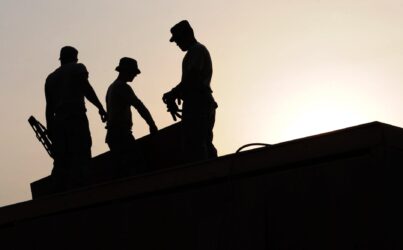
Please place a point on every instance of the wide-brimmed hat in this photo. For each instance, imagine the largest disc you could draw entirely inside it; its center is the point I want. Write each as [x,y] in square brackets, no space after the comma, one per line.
[180,29]
[127,64]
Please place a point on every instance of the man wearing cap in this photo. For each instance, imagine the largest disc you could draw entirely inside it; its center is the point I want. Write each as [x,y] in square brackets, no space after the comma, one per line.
[119,98]
[198,113]
[67,123]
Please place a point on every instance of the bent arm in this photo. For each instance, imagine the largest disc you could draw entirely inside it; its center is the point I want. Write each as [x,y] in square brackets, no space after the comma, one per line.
[191,71]
[49,113]
[49,116]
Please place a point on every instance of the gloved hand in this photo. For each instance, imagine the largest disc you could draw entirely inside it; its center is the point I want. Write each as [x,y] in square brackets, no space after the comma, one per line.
[174,110]
[169,99]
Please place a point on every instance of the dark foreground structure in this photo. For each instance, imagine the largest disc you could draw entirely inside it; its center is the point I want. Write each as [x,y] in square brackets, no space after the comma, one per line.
[339,190]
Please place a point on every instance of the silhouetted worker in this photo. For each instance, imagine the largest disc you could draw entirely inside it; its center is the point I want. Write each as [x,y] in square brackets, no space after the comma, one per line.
[198,113]
[119,98]
[67,123]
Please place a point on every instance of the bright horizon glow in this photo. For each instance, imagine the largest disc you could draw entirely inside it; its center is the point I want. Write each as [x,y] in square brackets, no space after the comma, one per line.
[282,69]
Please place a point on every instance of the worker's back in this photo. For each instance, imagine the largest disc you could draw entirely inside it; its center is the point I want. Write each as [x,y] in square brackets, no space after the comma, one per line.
[65,89]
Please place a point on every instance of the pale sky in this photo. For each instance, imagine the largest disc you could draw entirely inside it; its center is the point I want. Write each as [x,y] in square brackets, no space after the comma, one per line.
[283,69]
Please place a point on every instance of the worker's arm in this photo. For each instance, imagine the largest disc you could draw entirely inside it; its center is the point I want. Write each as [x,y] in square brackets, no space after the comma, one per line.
[143,111]
[191,70]
[90,94]
[50,113]
[92,97]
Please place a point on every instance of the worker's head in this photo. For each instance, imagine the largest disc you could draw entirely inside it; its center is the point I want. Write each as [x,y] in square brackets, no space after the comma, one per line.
[182,35]
[127,68]
[68,54]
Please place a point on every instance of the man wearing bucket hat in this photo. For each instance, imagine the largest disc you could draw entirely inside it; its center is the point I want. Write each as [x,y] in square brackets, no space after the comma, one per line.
[67,123]
[119,99]
[198,111]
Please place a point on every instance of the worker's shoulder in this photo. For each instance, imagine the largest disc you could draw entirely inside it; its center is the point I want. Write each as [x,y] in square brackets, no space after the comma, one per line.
[127,89]
[52,76]
[69,68]
[80,66]
[198,50]
[66,71]
[119,88]
[200,47]
[75,68]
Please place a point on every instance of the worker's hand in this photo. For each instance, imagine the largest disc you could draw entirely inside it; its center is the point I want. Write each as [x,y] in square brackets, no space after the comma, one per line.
[153,129]
[170,97]
[174,110]
[103,114]
[170,100]
[167,97]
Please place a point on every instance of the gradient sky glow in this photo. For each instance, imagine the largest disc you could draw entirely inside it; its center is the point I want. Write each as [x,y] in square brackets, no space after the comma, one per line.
[283,69]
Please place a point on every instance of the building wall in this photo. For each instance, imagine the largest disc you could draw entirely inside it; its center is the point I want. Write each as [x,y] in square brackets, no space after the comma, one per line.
[349,200]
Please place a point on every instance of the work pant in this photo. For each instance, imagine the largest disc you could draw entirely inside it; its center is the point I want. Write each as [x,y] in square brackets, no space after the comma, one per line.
[197,135]
[126,155]
[71,144]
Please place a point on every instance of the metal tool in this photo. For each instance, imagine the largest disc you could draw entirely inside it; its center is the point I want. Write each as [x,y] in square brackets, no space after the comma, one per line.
[41,134]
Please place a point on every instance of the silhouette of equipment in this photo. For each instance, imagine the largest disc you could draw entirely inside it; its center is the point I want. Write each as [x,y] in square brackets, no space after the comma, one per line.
[172,107]
[41,134]
[252,145]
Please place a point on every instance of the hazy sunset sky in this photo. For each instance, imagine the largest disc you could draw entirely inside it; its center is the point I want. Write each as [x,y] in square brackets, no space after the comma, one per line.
[283,69]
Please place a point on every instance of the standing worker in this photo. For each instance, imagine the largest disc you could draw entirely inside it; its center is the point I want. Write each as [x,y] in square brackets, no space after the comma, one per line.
[66,119]
[198,113]
[119,99]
